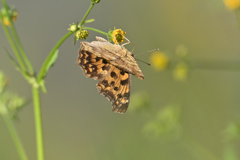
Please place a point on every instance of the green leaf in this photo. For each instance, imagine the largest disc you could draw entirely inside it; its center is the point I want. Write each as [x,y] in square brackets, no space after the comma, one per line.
[14,62]
[89,20]
[17,67]
[50,63]
[42,85]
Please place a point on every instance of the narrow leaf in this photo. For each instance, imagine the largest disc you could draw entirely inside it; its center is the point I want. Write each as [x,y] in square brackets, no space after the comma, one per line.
[50,63]
[42,85]
[14,62]
[89,20]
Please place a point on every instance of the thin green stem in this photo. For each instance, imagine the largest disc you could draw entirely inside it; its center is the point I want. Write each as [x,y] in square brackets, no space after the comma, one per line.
[51,54]
[237,12]
[15,35]
[10,39]
[85,16]
[20,47]
[38,123]
[15,137]
[96,30]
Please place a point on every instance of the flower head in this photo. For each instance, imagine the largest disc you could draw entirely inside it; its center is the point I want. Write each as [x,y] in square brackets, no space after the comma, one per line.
[159,60]
[12,13]
[73,27]
[81,34]
[117,36]
[232,4]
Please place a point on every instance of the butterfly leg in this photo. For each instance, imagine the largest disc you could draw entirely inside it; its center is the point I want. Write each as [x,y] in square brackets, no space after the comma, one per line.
[128,42]
[101,39]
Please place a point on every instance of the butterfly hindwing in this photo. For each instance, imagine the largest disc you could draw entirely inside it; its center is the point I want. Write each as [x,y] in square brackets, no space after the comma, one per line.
[116,87]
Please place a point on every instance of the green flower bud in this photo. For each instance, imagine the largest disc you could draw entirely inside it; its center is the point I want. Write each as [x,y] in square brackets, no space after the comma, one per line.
[73,27]
[81,34]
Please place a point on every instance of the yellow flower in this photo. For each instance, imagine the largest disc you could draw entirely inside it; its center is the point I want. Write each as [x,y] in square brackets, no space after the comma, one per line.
[180,72]
[159,60]
[118,36]
[232,4]
[13,14]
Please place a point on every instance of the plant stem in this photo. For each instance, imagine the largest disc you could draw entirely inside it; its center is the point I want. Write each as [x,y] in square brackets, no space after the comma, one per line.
[23,54]
[20,47]
[38,123]
[10,39]
[237,13]
[96,30]
[50,55]
[15,137]
[85,16]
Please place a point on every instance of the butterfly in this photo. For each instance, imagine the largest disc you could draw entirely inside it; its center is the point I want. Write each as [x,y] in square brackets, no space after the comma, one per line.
[113,65]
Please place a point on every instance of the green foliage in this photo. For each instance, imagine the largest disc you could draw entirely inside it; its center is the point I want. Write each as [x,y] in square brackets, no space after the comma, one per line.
[166,123]
[140,102]
[9,103]
[233,131]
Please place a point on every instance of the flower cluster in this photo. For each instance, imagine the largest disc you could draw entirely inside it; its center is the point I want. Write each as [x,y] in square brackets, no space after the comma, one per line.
[160,61]
[80,33]
[10,14]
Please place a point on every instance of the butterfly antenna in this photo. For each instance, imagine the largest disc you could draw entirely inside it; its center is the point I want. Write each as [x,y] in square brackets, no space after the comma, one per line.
[143,62]
[146,52]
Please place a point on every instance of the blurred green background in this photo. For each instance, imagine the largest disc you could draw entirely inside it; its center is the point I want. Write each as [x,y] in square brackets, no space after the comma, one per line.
[78,122]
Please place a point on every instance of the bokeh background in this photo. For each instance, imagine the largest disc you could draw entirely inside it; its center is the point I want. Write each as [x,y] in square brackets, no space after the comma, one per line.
[176,120]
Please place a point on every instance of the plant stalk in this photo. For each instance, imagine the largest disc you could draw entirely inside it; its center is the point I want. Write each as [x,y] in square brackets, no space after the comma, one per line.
[96,30]
[50,55]
[11,41]
[38,123]
[14,135]
[85,16]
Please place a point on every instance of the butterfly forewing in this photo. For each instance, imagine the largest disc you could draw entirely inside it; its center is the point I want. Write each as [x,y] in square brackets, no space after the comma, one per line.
[93,66]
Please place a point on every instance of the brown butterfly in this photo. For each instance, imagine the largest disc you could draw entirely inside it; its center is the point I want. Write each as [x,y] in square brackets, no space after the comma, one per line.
[112,64]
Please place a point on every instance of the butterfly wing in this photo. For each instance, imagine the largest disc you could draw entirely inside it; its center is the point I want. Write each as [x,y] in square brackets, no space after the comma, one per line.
[116,88]
[93,66]
[115,82]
